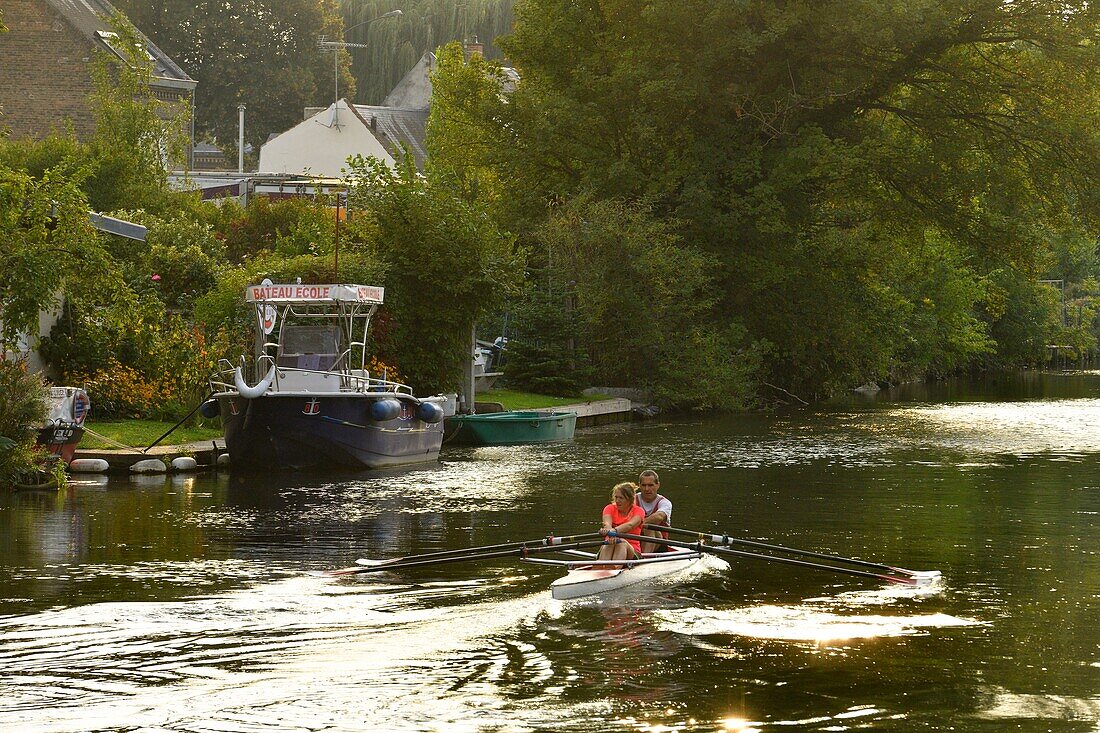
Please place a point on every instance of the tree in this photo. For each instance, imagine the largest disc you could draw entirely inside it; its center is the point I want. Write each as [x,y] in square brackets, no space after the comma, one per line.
[446,265]
[642,297]
[45,237]
[819,155]
[462,151]
[137,137]
[393,47]
[22,411]
[261,54]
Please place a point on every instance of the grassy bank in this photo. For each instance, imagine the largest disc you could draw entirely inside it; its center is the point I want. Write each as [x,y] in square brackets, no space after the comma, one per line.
[514,400]
[140,433]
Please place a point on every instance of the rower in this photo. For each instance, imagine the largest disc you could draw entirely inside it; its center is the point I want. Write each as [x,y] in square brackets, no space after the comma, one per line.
[621,516]
[657,508]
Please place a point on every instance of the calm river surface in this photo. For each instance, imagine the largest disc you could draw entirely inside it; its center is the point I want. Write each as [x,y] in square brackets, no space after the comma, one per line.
[199,604]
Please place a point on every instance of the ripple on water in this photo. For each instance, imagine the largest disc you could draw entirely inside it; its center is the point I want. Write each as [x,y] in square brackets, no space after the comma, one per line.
[372,654]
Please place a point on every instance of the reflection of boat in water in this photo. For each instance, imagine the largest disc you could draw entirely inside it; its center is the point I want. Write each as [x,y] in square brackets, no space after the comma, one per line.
[511,428]
[64,426]
[315,405]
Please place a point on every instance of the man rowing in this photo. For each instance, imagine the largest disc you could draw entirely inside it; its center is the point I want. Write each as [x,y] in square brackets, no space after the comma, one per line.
[657,509]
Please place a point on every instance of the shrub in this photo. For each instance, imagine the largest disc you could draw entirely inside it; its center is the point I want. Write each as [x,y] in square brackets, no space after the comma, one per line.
[117,391]
[22,411]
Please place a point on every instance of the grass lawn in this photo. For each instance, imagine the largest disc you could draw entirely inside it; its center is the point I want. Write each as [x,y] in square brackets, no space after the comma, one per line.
[140,433]
[513,400]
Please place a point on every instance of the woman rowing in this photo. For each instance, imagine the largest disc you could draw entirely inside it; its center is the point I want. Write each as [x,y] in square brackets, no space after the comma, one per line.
[621,516]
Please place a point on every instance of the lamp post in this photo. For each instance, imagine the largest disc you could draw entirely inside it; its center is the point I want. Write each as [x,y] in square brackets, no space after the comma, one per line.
[326,45]
[240,138]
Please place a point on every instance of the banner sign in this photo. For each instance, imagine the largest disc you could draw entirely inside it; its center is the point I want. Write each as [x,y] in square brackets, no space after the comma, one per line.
[314,293]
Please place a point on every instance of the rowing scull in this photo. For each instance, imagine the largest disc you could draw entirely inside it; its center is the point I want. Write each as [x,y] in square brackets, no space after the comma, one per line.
[592,577]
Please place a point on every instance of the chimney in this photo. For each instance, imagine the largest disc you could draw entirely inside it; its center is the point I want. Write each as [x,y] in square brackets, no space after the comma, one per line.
[473,47]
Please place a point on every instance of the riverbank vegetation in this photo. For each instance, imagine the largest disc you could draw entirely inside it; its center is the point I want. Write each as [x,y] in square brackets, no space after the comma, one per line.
[727,205]
[22,410]
[809,197]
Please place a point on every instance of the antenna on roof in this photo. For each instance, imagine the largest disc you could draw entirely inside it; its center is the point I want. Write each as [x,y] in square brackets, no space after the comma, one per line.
[326,45]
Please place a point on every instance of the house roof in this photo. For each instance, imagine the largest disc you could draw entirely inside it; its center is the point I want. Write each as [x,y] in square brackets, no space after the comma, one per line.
[321,144]
[90,18]
[396,127]
[414,91]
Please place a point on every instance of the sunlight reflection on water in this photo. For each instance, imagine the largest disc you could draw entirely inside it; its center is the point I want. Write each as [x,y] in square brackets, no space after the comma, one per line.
[1064,427]
[347,656]
[195,606]
[801,623]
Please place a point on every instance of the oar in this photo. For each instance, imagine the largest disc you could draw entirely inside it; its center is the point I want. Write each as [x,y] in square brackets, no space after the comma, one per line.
[700,547]
[541,541]
[722,539]
[475,553]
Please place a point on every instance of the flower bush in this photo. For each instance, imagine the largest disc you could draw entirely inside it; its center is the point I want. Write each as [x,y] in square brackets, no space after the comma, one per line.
[379,369]
[117,391]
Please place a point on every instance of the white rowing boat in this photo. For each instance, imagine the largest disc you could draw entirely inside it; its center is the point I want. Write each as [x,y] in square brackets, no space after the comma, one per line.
[590,577]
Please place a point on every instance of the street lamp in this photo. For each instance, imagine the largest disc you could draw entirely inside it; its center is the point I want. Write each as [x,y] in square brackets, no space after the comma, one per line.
[326,45]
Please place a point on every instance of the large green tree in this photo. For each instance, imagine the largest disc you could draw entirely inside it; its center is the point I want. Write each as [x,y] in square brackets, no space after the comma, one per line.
[875,184]
[446,265]
[262,54]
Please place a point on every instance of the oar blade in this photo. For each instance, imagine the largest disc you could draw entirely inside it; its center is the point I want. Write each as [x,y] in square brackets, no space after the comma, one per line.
[925,577]
[347,571]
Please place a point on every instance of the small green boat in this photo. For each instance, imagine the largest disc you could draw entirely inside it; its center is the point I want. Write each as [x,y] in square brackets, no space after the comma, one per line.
[511,428]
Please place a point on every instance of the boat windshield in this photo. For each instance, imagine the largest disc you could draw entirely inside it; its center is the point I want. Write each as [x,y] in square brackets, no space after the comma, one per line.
[310,347]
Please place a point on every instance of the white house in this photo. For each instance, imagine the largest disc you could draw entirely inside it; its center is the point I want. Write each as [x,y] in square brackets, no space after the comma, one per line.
[321,145]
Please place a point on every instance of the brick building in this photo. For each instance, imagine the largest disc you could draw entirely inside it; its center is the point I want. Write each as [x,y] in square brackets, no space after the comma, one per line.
[46,61]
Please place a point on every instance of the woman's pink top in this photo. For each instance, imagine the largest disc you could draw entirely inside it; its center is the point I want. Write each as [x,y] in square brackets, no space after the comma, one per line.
[617,519]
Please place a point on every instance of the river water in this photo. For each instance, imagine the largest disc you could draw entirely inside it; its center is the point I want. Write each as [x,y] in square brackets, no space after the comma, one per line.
[199,604]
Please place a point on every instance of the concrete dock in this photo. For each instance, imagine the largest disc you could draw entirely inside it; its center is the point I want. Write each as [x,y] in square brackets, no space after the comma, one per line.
[120,459]
[598,412]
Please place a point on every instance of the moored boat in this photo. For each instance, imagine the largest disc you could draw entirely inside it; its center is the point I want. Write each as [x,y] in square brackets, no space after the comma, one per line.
[69,407]
[512,428]
[315,404]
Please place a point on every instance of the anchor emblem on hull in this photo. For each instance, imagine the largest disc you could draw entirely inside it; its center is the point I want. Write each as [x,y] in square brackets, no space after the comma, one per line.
[313,407]
[233,408]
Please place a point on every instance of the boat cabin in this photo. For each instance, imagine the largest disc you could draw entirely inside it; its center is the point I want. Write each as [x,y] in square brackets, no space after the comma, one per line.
[310,347]
[309,358]
[315,336]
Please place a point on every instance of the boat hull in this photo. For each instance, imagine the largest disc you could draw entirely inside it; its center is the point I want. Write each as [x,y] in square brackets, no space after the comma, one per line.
[511,428]
[589,581]
[61,439]
[281,431]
